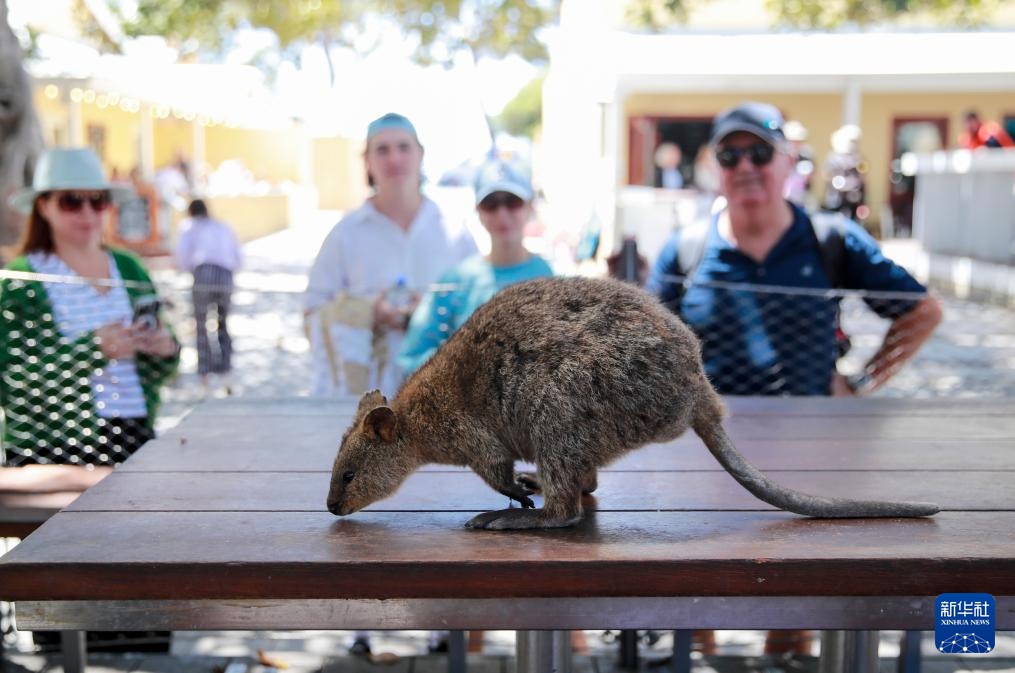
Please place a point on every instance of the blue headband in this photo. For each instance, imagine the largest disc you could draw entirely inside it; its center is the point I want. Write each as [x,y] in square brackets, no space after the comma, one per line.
[390,121]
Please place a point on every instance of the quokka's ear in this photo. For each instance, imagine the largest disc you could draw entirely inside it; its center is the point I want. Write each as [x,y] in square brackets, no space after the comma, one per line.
[380,423]
[371,400]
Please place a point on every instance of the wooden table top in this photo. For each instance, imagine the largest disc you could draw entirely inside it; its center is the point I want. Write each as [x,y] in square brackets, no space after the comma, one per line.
[230,505]
[30,495]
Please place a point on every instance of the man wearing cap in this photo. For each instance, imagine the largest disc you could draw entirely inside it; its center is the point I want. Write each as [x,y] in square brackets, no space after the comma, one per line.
[397,239]
[504,203]
[760,341]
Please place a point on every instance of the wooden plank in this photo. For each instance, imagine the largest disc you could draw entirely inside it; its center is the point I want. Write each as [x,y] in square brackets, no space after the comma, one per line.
[869,406]
[22,513]
[870,427]
[308,452]
[737,406]
[466,492]
[175,555]
[278,444]
[280,406]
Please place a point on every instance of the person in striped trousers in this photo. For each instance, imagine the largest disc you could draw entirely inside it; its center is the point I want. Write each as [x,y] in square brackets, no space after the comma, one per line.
[210,250]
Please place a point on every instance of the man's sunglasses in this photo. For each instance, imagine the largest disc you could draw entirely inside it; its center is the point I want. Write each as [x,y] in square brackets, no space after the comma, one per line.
[494,201]
[760,154]
[73,202]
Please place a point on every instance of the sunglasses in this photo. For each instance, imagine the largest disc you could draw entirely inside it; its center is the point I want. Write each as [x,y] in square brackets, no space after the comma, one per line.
[73,202]
[494,201]
[760,154]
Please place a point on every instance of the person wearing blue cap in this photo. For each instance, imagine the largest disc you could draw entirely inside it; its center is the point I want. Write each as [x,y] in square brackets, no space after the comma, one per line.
[374,266]
[781,343]
[504,197]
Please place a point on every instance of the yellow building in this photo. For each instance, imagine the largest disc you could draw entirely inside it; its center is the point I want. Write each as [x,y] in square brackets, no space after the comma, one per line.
[612,96]
[260,169]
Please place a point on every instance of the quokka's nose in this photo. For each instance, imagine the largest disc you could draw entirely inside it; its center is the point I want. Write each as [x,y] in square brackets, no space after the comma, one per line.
[333,507]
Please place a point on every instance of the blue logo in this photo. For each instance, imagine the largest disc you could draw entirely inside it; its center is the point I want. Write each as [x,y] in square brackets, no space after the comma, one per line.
[964,623]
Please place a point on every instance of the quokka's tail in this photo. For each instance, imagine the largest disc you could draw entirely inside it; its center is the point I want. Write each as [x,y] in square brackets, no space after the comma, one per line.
[710,429]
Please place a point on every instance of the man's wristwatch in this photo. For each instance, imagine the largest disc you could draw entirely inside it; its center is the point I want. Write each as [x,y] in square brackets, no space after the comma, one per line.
[860,383]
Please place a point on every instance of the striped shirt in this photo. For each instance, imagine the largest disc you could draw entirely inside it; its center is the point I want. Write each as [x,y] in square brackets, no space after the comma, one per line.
[78,309]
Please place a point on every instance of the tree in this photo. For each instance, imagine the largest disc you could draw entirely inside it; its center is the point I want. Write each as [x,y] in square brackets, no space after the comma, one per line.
[20,136]
[523,114]
[440,29]
[657,15]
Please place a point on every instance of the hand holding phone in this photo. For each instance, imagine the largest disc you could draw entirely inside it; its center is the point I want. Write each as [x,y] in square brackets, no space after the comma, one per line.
[146,312]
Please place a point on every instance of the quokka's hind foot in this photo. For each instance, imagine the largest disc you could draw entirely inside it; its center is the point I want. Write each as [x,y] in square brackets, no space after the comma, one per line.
[518,519]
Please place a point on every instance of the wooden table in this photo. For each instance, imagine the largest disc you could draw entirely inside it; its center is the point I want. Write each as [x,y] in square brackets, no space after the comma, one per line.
[30,495]
[221,524]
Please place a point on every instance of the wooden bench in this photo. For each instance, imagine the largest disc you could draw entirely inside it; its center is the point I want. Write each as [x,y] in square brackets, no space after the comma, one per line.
[29,496]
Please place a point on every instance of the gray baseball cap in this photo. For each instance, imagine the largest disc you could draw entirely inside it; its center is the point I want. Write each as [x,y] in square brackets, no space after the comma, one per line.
[760,119]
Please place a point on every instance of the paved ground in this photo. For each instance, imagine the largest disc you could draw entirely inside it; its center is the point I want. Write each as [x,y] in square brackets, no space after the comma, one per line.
[972,354]
[312,652]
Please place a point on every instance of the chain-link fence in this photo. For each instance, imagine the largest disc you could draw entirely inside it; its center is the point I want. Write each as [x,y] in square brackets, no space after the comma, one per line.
[66,401]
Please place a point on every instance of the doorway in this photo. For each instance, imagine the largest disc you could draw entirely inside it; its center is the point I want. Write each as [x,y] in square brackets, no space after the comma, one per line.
[646,134]
[910,134]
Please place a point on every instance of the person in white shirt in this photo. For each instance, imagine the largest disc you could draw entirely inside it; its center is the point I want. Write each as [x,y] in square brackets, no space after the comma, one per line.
[399,239]
[210,250]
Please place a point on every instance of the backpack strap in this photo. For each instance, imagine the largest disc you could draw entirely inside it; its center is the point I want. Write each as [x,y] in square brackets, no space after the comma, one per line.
[690,250]
[691,247]
[830,232]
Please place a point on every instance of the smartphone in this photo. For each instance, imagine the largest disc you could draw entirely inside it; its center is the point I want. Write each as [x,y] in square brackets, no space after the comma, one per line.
[146,311]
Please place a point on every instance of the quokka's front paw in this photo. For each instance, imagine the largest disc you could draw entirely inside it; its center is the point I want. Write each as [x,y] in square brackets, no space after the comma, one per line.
[528,481]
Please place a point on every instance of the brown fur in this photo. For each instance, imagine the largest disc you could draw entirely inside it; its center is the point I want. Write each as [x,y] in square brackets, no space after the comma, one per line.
[566,373]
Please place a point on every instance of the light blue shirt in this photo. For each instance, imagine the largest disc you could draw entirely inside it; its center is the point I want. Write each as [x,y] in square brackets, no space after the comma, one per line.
[456,296]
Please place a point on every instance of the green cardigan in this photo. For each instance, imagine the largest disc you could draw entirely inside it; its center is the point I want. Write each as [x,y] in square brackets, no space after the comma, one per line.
[40,407]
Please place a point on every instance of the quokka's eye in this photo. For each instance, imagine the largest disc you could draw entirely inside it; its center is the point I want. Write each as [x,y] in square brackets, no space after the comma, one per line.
[348,476]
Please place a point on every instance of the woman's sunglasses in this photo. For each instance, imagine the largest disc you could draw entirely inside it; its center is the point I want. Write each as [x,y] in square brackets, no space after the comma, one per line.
[493,202]
[760,154]
[73,202]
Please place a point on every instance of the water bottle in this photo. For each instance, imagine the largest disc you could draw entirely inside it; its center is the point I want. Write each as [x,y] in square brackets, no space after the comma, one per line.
[400,296]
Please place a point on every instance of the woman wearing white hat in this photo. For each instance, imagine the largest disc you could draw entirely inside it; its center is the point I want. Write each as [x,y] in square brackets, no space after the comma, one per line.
[79,375]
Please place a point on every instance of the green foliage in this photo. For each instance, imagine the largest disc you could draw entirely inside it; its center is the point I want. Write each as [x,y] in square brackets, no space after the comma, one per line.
[815,14]
[657,15]
[203,20]
[440,28]
[523,115]
[485,27]
[90,28]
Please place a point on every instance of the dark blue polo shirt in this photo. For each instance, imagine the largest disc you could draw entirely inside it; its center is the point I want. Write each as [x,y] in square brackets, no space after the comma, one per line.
[761,341]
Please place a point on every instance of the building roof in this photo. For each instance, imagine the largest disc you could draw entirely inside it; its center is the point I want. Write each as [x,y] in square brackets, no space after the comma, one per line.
[799,61]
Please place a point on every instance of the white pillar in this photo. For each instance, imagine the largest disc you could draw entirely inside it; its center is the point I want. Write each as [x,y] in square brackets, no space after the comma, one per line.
[146,143]
[851,103]
[75,125]
[197,158]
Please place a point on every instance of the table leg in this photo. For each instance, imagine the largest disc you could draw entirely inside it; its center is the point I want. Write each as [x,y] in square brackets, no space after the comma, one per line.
[628,650]
[683,642]
[543,651]
[75,654]
[849,652]
[910,658]
[456,652]
[832,643]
